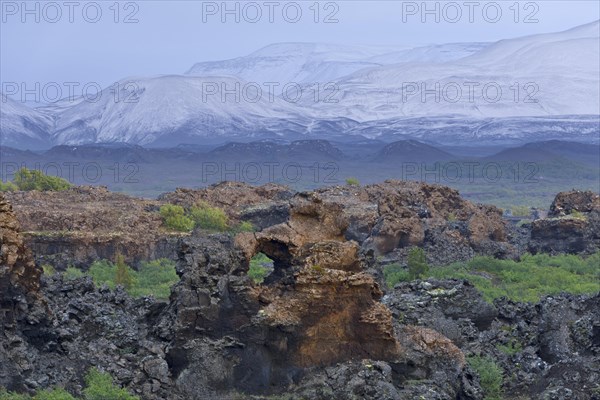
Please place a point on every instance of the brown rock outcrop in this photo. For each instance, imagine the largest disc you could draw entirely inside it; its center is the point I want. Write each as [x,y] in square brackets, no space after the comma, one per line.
[565,203]
[572,226]
[83,224]
[19,277]
[233,197]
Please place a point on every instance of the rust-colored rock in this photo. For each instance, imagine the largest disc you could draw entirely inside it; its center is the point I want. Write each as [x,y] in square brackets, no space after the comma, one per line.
[572,226]
[83,224]
[566,203]
[19,276]
[233,197]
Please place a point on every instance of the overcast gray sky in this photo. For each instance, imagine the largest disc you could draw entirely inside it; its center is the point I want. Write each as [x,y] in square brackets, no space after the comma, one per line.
[170,36]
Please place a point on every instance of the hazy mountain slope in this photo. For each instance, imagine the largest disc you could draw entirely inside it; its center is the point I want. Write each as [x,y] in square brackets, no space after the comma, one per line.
[22,126]
[169,105]
[556,74]
[436,53]
[411,151]
[293,62]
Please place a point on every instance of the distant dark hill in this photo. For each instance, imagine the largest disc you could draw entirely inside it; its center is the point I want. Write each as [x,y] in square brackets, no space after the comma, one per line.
[551,150]
[411,151]
[8,153]
[300,150]
[114,152]
[314,149]
[584,152]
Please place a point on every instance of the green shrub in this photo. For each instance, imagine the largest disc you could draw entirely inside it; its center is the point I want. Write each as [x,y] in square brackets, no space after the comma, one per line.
[174,218]
[577,215]
[520,211]
[260,266]
[8,187]
[208,217]
[46,394]
[48,269]
[28,179]
[123,274]
[100,386]
[490,376]
[72,273]
[511,348]
[352,182]
[103,272]
[53,394]
[4,395]
[395,273]
[451,217]
[318,269]
[155,278]
[244,226]
[417,263]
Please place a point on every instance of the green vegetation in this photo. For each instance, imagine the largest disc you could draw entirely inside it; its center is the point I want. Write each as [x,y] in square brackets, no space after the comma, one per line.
[352,182]
[395,273]
[203,216]
[490,376]
[417,264]
[210,218]
[511,348]
[48,269]
[318,269]
[520,211]
[260,266]
[525,281]
[48,394]
[122,273]
[32,179]
[72,273]
[99,386]
[451,217]
[154,277]
[174,218]
[244,226]
[8,187]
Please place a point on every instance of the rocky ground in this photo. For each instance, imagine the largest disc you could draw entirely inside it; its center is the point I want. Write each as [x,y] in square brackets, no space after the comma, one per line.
[320,326]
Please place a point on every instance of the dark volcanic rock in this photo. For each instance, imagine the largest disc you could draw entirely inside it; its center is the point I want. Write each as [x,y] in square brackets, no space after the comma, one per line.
[573,225]
[546,350]
[319,326]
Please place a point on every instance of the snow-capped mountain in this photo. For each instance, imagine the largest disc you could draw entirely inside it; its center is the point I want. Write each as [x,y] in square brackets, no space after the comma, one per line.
[184,106]
[540,86]
[541,75]
[293,63]
[306,63]
[432,54]
[21,126]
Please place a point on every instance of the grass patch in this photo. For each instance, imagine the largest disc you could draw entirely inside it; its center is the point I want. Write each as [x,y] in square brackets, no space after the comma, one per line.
[527,280]
[99,386]
[72,273]
[154,278]
[260,267]
[490,376]
[511,348]
[352,182]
